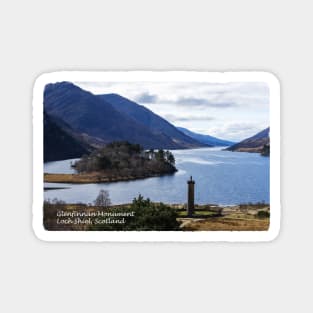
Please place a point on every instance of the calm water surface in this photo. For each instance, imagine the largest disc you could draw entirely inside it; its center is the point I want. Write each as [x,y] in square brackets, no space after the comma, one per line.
[221,177]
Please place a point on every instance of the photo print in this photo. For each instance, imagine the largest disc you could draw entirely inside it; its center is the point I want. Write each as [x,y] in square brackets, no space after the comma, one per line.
[156,156]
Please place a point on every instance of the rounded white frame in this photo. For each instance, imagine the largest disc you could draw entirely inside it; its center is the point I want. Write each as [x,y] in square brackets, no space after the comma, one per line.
[156,236]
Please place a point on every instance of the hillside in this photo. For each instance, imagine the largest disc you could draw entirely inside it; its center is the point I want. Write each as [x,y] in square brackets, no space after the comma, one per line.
[152,121]
[59,143]
[206,139]
[257,143]
[95,117]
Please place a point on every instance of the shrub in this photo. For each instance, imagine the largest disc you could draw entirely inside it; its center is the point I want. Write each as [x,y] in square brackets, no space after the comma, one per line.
[147,216]
[263,214]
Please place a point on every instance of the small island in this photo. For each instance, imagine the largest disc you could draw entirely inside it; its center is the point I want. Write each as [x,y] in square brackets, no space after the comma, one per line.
[118,161]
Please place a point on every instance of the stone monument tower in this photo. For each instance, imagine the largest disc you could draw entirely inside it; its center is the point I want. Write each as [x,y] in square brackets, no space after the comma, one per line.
[191,197]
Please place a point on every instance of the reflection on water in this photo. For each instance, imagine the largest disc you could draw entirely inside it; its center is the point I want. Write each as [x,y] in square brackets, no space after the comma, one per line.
[222,177]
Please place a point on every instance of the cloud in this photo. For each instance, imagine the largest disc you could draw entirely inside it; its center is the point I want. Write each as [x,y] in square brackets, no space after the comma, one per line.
[188,118]
[147,98]
[195,94]
[203,102]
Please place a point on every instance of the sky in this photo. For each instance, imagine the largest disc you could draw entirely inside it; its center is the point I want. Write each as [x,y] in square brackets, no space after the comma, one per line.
[232,111]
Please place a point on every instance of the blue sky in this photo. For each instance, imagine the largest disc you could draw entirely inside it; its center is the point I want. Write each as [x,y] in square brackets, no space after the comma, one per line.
[232,111]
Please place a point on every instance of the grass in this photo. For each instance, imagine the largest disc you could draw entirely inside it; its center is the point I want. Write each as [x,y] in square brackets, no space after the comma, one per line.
[227,224]
[89,178]
[236,218]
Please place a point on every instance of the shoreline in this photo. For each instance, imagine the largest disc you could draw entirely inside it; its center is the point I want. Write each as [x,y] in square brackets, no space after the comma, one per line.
[93,178]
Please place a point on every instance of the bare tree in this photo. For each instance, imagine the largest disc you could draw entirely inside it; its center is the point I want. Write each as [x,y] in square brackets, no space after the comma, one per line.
[103,199]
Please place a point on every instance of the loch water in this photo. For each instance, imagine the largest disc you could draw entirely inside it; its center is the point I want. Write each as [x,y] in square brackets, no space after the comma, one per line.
[221,177]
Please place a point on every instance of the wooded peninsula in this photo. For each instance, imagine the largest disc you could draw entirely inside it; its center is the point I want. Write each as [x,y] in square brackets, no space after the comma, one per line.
[118,161]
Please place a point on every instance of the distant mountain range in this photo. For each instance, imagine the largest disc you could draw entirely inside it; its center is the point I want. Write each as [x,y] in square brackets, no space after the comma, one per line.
[206,139]
[77,121]
[256,143]
[96,117]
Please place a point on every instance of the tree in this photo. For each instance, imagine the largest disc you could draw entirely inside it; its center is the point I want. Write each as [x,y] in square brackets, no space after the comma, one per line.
[151,154]
[152,216]
[170,157]
[104,162]
[103,199]
[145,216]
[265,150]
[140,201]
[160,155]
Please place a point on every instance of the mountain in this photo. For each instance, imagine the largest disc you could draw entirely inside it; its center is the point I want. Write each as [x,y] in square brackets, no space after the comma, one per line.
[89,142]
[206,139]
[59,143]
[152,121]
[93,116]
[256,143]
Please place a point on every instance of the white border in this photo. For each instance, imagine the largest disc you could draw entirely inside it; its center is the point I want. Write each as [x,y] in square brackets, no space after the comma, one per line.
[175,76]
